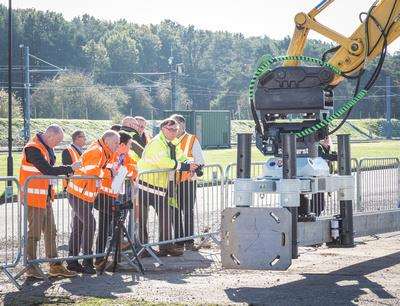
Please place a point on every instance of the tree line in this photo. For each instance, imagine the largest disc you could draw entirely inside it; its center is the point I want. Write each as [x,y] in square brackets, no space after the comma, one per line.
[106,59]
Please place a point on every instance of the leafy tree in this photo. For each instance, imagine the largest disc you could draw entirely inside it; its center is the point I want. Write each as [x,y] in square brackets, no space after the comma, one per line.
[217,66]
[74,95]
[16,105]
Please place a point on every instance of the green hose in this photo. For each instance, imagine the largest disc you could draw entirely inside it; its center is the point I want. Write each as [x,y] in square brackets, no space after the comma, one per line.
[265,66]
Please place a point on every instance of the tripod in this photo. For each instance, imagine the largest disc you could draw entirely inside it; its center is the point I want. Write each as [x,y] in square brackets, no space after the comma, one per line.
[119,228]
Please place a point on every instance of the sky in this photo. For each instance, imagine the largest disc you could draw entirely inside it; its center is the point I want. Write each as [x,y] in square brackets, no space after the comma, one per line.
[250,17]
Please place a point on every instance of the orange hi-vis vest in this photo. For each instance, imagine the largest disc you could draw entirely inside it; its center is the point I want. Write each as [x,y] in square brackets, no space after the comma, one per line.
[105,185]
[37,191]
[186,142]
[128,162]
[75,155]
[94,163]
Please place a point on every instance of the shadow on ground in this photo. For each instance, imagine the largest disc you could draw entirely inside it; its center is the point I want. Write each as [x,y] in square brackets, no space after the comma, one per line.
[342,287]
[109,285]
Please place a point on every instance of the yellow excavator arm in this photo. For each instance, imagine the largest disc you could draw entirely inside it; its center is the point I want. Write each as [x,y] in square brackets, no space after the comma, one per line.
[358,49]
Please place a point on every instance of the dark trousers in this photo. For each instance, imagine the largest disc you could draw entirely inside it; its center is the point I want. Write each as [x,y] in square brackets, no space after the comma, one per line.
[83,227]
[103,204]
[184,214]
[164,212]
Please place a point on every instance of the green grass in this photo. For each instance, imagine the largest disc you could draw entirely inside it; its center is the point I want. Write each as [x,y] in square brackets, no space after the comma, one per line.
[92,128]
[364,129]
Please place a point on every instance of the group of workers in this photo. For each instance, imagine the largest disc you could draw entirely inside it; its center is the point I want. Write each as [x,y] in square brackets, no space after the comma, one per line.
[122,152]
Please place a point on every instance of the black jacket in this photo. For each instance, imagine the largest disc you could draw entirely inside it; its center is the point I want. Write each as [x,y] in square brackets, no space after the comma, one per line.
[138,142]
[35,157]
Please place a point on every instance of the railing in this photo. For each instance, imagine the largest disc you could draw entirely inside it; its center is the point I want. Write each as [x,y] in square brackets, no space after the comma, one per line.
[167,210]
[10,226]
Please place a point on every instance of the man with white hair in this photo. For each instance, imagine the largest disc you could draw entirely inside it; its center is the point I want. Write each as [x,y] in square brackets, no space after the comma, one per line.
[82,194]
[38,159]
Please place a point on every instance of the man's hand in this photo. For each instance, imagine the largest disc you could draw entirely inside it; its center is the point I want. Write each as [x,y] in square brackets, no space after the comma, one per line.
[193,166]
[76,165]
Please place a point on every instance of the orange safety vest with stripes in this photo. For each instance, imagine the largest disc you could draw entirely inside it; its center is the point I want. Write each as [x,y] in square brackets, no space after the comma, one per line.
[128,162]
[94,163]
[75,155]
[186,142]
[37,190]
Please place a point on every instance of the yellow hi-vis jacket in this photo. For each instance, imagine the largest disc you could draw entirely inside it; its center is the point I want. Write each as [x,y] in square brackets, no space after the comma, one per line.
[157,155]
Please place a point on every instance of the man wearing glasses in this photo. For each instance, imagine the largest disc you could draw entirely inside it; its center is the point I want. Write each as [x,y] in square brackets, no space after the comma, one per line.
[161,152]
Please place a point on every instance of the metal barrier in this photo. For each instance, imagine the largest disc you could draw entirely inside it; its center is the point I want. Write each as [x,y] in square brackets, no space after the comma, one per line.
[331,204]
[173,210]
[379,184]
[176,212]
[326,204]
[10,226]
[259,200]
[72,229]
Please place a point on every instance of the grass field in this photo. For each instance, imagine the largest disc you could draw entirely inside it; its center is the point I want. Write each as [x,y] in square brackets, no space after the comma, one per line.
[226,156]
[359,129]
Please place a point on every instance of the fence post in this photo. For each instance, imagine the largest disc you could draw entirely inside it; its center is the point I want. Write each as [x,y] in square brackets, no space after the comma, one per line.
[243,155]
[346,207]
[290,172]
[358,187]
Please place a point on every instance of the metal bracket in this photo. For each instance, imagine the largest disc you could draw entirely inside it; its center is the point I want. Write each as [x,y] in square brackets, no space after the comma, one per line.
[289,189]
[256,238]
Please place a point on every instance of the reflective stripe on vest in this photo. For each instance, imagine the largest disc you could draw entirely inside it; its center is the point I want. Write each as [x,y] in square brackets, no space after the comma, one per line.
[152,190]
[30,168]
[79,189]
[186,145]
[84,188]
[73,153]
[37,191]
[107,190]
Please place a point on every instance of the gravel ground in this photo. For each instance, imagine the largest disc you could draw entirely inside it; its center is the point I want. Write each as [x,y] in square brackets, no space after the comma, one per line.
[368,274]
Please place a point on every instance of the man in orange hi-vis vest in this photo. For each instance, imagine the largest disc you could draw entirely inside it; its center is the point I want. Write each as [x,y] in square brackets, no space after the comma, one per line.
[73,152]
[186,180]
[82,194]
[106,197]
[38,159]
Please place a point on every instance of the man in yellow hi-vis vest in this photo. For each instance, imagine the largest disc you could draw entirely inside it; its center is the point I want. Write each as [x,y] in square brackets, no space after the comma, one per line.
[161,152]
[186,180]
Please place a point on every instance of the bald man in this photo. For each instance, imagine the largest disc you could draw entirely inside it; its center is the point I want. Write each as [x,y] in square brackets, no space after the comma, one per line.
[39,159]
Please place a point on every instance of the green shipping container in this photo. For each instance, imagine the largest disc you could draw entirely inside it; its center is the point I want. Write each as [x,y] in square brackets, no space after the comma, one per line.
[212,128]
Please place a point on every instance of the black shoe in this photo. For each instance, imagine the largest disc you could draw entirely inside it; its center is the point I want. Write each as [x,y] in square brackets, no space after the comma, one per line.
[75,266]
[89,269]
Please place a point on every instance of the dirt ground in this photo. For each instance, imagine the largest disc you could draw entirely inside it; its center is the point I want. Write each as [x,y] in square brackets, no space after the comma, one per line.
[368,274]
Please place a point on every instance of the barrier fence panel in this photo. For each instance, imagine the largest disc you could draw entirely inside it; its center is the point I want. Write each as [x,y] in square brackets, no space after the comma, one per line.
[65,219]
[173,207]
[324,204]
[379,184]
[10,226]
[259,199]
[330,204]
[168,207]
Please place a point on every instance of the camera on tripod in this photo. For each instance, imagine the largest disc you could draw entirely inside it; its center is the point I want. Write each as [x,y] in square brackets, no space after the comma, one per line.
[199,171]
[120,206]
